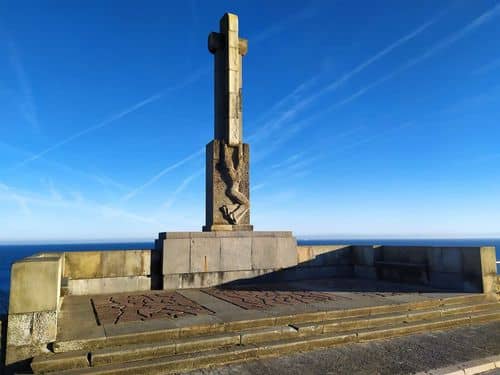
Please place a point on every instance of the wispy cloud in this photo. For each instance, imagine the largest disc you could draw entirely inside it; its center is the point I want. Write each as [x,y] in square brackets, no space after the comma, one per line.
[284,116]
[486,68]
[278,27]
[163,172]
[25,199]
[6,193]
[115,117]
[26,105]
[103,180]
[182,186]
[439,46]
[92,128]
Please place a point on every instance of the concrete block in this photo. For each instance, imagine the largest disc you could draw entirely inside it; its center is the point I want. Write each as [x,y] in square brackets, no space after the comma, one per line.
[28,334]
[82,265]
[488,269]
[35,285]
[304,254]
[265,252]
[365,272]
[286,249]
[176,255]
[446,280]
[332,255]
[137,263]
[236,254]
[205,254]
[103,285]
[112,264]
[19,329]
[363,255]
[200,279]
[451,260]
[172,281]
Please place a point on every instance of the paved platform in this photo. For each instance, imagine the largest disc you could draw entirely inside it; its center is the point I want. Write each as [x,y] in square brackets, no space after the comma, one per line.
[91,317]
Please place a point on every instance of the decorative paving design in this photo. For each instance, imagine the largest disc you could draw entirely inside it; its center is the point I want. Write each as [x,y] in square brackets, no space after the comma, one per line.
[264,299]
[145,306]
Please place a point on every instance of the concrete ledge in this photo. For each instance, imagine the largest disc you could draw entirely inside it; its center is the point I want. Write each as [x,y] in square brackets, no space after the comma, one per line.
[109,285]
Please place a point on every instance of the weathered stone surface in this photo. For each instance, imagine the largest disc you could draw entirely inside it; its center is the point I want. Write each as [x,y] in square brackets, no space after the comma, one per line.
[58,362]
[286,249]
[236,254]
[220,196]
[205,255]
[35,285]
[29,333]
[488,269]
[116,263]
[264,253]
[176,255]
[104,285]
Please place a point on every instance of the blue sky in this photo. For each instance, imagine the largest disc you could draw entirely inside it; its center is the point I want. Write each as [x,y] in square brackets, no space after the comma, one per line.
[364,118]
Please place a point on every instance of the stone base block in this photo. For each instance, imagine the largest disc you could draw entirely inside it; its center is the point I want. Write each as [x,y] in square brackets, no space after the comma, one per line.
[28,334]
[200,259]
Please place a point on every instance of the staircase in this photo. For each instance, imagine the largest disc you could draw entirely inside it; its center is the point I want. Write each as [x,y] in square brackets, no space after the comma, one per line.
[169,351]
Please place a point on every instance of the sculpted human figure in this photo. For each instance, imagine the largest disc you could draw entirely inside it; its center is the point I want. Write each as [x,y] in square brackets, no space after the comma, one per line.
[233,169]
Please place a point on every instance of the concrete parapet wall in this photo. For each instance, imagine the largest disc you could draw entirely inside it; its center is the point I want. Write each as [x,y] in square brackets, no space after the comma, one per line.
[469,269]
[99,264]
[99,272]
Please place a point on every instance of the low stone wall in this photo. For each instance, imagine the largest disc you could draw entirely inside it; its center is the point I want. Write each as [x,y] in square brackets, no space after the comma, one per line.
[317,262]
[99,272]
[468,269]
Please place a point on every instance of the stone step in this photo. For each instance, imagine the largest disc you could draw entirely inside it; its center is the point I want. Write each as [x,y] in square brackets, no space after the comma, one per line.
[226,355]
[131,352]
[234,326]
[344,324]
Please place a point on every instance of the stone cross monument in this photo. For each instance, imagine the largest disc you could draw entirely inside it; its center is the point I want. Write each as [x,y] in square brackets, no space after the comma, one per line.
[227,157]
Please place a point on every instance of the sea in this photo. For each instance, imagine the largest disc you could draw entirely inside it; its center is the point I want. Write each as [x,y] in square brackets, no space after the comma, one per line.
[12,253]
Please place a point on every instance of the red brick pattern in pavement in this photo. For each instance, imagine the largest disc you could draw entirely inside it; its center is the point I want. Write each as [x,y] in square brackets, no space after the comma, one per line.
[144,306]
[263,299]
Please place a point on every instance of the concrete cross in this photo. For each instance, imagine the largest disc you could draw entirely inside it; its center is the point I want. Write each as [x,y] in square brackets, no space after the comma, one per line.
[228,50]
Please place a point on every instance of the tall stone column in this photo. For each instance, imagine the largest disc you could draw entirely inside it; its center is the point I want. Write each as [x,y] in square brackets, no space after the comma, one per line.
[227,157]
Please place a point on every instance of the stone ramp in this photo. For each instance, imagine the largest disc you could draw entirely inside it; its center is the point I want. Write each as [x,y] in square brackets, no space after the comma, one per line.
[257,334]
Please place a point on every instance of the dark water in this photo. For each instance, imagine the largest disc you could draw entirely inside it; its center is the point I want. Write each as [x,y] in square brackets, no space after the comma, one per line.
[11,253]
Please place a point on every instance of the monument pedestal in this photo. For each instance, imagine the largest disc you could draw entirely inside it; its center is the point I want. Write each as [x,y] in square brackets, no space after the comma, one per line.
[205,259]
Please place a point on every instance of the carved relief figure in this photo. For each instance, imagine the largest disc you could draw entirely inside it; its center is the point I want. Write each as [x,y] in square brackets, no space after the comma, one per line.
[232,170]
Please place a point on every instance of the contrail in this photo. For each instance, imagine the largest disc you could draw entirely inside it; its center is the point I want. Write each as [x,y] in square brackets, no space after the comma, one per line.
[100,125]
[277,123]
[182,186]
[189,80]
[157,176]
[447,41]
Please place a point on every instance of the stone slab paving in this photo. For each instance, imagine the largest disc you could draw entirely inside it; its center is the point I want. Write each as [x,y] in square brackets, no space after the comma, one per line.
[402,355]
[265,299]
[144,306]
[107,315]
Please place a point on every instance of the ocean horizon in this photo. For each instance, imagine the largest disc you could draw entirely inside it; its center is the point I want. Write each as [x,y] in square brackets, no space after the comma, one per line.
[9,253]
